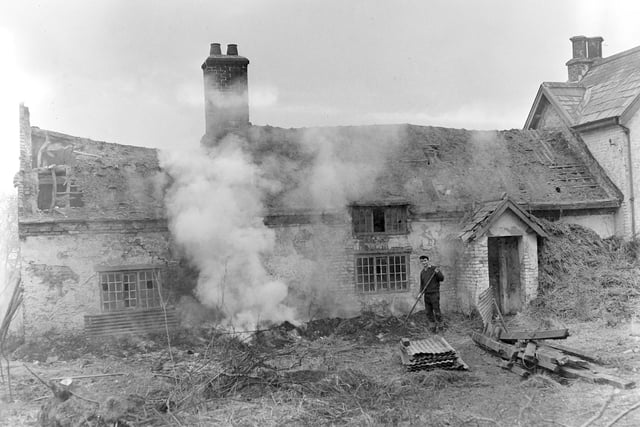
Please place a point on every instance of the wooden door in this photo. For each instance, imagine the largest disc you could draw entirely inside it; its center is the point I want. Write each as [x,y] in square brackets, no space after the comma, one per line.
[504,273]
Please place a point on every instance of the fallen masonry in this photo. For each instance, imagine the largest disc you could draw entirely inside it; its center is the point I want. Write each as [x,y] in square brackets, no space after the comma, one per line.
[528,355]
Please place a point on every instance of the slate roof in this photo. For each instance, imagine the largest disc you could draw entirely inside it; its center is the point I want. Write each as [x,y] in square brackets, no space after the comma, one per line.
[609,89]
[612,84]
[434,169]
[489,212]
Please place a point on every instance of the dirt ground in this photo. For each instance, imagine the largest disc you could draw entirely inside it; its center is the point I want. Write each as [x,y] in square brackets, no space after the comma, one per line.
[327,372]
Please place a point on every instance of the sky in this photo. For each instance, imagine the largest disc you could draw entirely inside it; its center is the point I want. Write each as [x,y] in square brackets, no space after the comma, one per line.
[128,71]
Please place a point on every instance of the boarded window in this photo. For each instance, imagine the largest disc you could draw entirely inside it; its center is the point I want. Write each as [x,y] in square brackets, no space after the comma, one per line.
[380,273]
[66,193]
[122,290]
[379,219]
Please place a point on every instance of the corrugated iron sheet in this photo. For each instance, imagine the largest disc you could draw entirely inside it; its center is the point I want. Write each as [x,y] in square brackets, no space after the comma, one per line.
[131,322]
[436,345]
[431,353]
[485,306]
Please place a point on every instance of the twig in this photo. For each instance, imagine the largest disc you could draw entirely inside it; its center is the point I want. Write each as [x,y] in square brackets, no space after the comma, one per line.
[622,414]
[37,376]
[474,418]
[89,376]
[599,414]
[163,304]
[83,398]
[174,417]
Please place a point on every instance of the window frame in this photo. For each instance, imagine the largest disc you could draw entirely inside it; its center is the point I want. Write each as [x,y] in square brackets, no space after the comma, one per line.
[55,187]
[378,265]
[365,219]
[119,293]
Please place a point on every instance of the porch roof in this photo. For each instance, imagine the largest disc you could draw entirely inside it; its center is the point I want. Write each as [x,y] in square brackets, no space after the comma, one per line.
[489,212]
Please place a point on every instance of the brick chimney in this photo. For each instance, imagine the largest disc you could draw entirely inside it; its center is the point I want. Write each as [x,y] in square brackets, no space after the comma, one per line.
[226,93]
[585,51]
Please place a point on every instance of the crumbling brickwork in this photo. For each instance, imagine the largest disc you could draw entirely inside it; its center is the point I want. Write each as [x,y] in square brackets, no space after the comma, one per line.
[119,223]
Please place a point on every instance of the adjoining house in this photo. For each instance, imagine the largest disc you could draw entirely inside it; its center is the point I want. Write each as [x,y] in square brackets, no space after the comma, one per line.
[599,106]
[97,252]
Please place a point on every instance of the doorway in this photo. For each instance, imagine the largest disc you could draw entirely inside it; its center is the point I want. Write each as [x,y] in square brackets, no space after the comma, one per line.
[504,273]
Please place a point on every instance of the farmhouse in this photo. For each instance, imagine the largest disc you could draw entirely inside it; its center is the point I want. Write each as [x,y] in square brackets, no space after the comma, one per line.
[353,208]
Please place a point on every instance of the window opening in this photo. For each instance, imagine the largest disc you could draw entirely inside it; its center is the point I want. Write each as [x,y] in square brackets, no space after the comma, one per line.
[380,273]
[383,219]
[57,190]
[130,290]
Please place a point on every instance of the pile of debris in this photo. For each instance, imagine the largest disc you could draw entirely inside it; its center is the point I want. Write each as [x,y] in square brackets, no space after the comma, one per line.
[430,353]
[527,352]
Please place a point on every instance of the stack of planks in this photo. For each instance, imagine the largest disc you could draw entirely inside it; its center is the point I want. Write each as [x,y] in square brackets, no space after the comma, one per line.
[525,352]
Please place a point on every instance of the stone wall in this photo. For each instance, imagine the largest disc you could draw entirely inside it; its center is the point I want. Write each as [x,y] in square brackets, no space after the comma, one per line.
[59,273]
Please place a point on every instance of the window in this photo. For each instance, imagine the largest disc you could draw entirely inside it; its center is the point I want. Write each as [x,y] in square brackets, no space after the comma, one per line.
[65,195]
[122,290]
[379,219]
[380,273]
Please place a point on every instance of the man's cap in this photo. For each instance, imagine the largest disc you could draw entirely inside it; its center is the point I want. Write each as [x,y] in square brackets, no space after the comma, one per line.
[424,257]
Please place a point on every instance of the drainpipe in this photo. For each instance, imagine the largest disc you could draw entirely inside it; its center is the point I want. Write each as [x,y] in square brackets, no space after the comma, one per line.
[632,197]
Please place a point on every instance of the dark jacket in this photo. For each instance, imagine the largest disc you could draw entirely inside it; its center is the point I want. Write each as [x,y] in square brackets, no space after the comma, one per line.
[434,277]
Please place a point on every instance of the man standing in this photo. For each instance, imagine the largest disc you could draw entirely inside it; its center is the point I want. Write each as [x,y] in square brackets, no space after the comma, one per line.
[430,278]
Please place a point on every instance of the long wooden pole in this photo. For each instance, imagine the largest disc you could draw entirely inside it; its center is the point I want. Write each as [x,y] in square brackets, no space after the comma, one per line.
[419,295]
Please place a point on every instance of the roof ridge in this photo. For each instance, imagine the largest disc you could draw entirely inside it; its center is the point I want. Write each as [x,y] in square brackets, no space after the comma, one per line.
[614,57]
[562,84]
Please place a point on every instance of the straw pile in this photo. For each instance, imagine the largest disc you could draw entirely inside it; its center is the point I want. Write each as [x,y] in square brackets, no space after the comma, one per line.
[585,277]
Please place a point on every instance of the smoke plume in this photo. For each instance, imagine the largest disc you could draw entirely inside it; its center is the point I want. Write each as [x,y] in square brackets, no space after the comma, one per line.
[215,210]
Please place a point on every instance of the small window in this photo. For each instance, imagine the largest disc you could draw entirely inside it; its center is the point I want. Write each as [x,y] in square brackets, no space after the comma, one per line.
[379,219]
[66,193]
[382,273]
[129,290]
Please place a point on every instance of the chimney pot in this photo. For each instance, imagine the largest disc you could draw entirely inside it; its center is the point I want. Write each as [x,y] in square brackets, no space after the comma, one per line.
[232,49]
[594,47]
[579,44]
[215,49]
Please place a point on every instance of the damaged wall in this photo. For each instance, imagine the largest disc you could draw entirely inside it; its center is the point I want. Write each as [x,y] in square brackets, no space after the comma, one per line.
[59,272]
[84,206]
[318,261]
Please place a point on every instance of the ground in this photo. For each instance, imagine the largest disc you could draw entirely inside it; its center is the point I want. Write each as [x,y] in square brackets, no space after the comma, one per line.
[326,372]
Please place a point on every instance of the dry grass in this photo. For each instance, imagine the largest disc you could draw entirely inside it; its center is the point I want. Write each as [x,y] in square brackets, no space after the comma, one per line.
[585,277]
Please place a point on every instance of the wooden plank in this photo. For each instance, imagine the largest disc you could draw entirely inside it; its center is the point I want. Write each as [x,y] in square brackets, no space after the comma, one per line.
[573,351]
[553,334]
[510,366]
[503,350]
[551,355]
[541,362]
[596,377]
